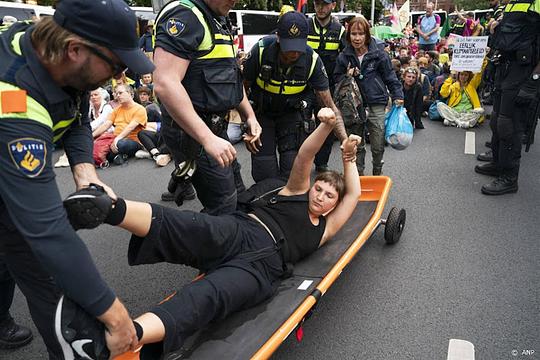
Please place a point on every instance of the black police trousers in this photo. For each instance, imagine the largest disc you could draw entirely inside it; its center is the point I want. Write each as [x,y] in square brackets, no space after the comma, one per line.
[283,131]
[313,107]
[507,120]
[240,260]
[216,186]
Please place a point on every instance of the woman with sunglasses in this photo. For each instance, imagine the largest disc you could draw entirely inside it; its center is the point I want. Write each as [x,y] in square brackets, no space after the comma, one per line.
[365,59]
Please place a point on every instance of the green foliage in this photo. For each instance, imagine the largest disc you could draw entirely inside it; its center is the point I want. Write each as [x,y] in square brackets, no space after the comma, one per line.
[471,4]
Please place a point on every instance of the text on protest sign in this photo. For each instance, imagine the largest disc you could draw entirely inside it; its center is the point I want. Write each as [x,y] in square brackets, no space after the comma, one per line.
[469,53]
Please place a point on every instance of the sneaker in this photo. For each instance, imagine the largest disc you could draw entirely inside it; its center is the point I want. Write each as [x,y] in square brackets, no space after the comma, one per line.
[80,335]
[143,154]
[485,156]
[119,159]
[62,161]
[163,159]
[13,336]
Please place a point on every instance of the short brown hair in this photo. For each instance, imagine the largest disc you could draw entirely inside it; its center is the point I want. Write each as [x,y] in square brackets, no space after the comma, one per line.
[335,179]
[363,24]
[51,40]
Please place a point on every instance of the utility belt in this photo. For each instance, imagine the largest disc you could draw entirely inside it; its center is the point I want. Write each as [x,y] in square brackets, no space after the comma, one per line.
[216,122]
[525,56]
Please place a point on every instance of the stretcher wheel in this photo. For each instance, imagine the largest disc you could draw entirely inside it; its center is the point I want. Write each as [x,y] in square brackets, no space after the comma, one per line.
[395,223]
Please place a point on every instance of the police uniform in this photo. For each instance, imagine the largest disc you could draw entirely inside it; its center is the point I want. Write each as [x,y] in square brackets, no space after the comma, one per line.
[516,40]
[327,41]
[188,29]
[35,113]
[278,92]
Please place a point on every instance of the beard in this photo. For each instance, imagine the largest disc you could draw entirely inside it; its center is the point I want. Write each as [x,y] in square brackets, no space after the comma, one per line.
[85,80]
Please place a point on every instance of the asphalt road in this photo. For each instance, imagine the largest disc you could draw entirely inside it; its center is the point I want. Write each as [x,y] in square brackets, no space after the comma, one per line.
[467,266]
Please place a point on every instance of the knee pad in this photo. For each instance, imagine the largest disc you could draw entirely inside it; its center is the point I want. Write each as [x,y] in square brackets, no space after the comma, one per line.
[88,208]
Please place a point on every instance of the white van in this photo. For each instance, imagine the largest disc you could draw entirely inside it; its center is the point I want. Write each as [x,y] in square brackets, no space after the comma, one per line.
[24,11]
[251,25]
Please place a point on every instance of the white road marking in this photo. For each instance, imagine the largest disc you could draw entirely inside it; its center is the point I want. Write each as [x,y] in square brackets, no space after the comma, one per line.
[470,142]
[305,284]
[460,350]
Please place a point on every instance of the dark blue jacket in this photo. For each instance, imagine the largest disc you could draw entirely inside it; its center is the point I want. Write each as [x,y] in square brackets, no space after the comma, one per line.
[376,77]
[145,42]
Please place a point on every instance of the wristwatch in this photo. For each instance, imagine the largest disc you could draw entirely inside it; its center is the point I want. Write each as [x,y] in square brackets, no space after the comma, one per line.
[536,76]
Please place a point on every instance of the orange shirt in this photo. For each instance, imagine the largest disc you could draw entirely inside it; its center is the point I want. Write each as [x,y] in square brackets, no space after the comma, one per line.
[121,117]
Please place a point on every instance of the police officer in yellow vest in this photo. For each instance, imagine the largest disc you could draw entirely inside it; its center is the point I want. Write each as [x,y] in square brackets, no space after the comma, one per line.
[198,81]
[327,37]
[517,89]
[46,70]
[281,72]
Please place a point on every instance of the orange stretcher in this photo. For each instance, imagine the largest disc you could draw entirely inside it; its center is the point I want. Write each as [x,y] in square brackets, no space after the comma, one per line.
[257,332]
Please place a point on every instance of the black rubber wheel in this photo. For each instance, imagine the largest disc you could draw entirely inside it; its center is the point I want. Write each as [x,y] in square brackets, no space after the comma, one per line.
[395,223]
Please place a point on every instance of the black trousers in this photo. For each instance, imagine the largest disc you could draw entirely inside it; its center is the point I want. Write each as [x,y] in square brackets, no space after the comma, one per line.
[216,186]
[284,132]
[507,120]
[239,257]
[152,140]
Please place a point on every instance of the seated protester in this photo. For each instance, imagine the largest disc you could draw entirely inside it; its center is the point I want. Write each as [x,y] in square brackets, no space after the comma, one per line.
[439,80]
[147,80]
[412,92]
[433,59]
[153,144]
[129,118]
[413,46]
[396,65]
[463,109]
[423,64]
[100,110]
[426,85]
[237,252]
[442,45]
[146,99]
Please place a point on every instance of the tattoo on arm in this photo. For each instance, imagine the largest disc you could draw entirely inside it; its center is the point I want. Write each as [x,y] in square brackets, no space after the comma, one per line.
[325,99]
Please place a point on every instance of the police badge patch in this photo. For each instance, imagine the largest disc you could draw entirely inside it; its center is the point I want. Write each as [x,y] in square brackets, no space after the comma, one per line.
[28,155]
[175,27]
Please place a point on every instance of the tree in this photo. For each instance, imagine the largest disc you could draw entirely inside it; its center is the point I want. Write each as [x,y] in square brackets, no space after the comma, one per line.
[471,4]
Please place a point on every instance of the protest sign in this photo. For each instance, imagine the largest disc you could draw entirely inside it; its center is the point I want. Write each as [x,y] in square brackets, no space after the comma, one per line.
[469,53]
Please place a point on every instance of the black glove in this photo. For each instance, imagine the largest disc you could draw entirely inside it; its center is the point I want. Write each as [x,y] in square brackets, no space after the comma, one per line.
[527,92]
[88,207]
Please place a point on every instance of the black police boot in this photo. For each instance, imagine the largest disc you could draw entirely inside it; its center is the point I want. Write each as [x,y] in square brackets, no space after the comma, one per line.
[12,335]
[485,156]
[488,144]
[489,169]
[419,125]
[504,184]
[184,191]
[377,171]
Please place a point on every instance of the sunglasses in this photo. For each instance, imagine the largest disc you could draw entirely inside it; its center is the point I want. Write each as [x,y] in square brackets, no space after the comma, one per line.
[411,71]
[117,68]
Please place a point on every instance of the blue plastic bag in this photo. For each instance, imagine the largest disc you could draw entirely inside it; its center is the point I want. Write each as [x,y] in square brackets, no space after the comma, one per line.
[399,130]
[433,113]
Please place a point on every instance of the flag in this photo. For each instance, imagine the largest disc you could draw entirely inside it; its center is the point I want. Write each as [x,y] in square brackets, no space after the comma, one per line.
[405,14]
[445,28]
[394,19]
[300,6]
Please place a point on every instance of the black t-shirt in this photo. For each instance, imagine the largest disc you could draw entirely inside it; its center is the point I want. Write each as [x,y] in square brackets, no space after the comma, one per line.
[179,32]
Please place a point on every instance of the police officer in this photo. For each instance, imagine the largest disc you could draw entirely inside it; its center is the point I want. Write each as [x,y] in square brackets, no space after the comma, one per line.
[198,81]
[281,71]
[326,36]
[517,83]
[45,72]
